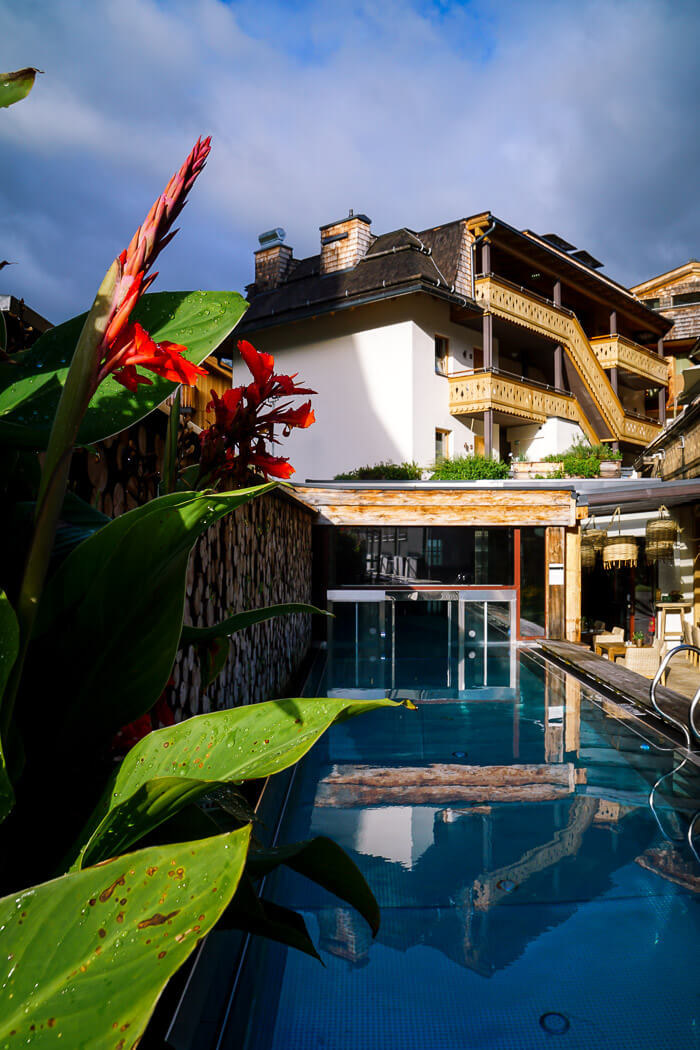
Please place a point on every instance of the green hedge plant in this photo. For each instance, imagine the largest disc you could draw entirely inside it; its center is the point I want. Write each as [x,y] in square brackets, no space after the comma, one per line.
[384,471]
[470,468]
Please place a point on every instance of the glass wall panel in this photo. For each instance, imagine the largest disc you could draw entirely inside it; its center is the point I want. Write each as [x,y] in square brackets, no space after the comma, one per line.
[532,582]
[414,555]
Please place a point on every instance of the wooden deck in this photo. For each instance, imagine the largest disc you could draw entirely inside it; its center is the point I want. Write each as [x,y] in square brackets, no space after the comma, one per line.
[629,690]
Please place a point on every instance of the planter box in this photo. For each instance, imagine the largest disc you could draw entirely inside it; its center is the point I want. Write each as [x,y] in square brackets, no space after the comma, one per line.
[530,470]
[610,468]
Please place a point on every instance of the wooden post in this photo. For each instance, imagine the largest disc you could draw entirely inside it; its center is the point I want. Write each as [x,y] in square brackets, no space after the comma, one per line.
[555,569]
[487,339]
[485,257]
[572,571]
[488,433]
[559,367]
[572,724]
[556,293]
[613,322]
[614,379]
[662,392]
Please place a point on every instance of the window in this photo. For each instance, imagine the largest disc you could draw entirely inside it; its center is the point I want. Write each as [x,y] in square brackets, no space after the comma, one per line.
[445,554]
[442,442]
[687,298]
[442,350]
[653,304]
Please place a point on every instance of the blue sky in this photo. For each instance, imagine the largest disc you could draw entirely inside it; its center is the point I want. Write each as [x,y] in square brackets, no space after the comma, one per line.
[577,118]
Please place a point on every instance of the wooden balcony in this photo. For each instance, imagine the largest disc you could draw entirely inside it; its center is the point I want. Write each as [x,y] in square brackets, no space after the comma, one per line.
[639,430]
[525,308]
[615,351]
[472,393]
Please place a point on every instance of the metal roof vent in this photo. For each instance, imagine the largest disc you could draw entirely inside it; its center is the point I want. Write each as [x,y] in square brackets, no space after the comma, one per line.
[272,238]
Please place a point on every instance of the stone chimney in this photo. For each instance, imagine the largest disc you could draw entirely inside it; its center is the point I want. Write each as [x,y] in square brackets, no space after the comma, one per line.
[343,243]
[273,260]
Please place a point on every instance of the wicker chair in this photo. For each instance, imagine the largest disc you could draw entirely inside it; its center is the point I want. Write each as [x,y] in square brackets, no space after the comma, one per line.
[696,642]
[616,635]
[688,638]
[645,660]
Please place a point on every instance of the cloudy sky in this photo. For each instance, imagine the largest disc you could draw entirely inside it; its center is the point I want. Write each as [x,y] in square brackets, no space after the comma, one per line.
[573,117]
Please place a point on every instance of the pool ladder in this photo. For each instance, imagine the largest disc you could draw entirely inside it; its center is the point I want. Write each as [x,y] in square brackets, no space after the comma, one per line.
[689,731]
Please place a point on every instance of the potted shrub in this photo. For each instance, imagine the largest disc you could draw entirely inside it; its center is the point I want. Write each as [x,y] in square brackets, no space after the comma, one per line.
[541,468]
[610,462]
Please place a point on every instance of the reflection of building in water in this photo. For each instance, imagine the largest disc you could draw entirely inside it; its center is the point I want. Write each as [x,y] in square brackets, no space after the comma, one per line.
[344,934]
[672,865]
[477,858]
[491,887]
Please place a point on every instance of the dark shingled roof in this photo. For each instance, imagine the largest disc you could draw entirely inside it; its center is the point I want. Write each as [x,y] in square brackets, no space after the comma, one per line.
[395,263]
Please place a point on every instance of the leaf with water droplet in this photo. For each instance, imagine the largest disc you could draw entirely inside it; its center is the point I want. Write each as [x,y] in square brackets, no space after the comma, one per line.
[56,972]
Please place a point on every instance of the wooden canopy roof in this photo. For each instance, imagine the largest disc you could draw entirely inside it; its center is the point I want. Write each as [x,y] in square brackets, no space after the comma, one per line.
[430,504]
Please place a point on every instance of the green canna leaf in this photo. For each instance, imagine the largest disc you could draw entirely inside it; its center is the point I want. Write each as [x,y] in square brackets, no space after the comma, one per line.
[325,863]
[9,648]
[16,86]
[86,956]
[173,767]
[118,596]
[30,388]
[239,621]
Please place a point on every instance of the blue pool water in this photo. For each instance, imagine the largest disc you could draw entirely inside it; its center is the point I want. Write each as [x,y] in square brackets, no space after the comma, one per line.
[529,897]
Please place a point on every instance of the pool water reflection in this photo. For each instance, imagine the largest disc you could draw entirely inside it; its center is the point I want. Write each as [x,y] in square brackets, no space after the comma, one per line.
[527,892]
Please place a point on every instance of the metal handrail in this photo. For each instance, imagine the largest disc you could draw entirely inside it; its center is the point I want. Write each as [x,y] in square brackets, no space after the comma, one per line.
[691,727]
[686,730]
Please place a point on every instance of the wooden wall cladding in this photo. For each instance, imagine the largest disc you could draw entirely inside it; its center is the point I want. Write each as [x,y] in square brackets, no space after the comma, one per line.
[259,555]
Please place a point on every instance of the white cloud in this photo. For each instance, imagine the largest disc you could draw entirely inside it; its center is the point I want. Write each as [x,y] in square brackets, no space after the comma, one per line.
[570,117]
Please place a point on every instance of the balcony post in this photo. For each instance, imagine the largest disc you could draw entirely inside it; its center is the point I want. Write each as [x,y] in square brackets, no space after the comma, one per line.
[559,368]
[485,257]
[614,379]
[487,339]
[662,391]
[556,294]
[613,322]
[488,433]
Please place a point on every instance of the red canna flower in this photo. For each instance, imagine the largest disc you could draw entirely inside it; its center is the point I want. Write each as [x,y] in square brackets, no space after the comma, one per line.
[260,365]
[272,466]
[245,418]
[126,344]
[134,346]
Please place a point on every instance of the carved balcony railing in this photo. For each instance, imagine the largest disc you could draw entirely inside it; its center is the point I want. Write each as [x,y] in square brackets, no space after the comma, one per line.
[474,392]
[525,308]
[615,351]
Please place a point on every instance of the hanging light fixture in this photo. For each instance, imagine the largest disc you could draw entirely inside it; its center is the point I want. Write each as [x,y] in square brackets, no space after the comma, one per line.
[661,535]
[591,536]
[587,556]
[619,550]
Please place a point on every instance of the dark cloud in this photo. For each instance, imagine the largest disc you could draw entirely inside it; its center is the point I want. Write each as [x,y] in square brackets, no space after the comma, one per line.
[573,117]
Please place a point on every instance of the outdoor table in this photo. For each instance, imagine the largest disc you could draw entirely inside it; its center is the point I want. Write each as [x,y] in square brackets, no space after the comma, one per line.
[611,649]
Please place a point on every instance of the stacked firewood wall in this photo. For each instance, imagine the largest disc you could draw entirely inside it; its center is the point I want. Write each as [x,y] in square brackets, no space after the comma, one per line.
[259,555]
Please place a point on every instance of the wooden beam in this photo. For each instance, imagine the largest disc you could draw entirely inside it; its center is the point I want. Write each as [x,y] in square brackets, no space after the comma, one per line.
[555,568]
[473,506]
[572,577]
[356,785]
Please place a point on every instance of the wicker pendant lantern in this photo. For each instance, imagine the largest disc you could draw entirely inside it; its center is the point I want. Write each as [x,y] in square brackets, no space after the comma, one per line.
[619,550]
[593,537]
[587,556]
[660,537]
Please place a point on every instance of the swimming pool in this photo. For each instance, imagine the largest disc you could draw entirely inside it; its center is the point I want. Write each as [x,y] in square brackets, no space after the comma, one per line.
[529,897]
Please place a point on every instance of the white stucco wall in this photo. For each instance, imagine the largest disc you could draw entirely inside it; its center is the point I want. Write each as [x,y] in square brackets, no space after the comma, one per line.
[538,440]
[431,403]
[378,396]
